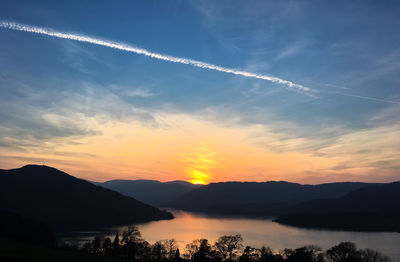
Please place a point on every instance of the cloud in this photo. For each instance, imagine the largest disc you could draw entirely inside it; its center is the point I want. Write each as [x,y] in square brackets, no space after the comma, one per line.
[141,51]
[43,119]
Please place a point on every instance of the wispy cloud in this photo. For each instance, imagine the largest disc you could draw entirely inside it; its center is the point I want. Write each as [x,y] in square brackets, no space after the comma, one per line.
[139,92]
[141,51]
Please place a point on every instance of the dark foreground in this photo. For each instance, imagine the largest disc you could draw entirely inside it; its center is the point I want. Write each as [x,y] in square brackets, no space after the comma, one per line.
[129,246]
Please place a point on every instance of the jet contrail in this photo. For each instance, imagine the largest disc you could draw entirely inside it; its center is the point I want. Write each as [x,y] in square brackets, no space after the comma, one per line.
[141,51]
[187,61]
[367,98]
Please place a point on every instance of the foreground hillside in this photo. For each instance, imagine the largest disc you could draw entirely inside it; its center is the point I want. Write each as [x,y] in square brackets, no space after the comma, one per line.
[150,191]
[68,203]
[373,208]
[252,199]
[16,251]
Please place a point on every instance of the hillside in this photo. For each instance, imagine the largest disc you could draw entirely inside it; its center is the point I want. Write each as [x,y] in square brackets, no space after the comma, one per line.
[150,191]
[257,199]
[372,208]
[68,203]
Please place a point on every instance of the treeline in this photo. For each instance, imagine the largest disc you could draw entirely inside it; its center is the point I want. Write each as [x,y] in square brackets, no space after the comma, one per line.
[129,245]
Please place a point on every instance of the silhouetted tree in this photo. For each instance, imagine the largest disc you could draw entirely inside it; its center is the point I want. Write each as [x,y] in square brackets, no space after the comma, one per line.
[131,235]
[266,254]
[344,252]
[369,255]
[130,240]
[144,251]
[250,254]
[304,254]
[158,251]
[115,245]
[229,247]
[170,247]
[107,246]
[97,244]
[205,252]
[191,249]
[177,255]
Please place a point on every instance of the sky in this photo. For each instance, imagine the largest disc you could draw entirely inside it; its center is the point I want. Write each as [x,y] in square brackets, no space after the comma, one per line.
[202,91]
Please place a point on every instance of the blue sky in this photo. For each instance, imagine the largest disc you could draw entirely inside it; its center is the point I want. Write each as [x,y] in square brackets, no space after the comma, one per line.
[53,90]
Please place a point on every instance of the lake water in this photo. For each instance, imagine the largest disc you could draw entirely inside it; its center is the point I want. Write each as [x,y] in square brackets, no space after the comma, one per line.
[257,232]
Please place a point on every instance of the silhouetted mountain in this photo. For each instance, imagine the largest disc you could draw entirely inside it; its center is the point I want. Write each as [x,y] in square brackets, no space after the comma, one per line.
[376,198]
[66,202]
[257,199]
[150,191]
[372,208]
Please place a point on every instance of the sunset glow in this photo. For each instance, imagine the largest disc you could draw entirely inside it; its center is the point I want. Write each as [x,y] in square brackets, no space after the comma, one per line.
[206,100]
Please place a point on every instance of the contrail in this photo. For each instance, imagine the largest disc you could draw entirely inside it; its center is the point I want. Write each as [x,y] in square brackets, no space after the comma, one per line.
[141,51]
[336,86]
[367,98]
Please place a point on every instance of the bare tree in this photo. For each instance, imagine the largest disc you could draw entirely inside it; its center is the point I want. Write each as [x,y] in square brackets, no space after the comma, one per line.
[344,252]
[250,254]
[229,247]
[369,255]
[191,249]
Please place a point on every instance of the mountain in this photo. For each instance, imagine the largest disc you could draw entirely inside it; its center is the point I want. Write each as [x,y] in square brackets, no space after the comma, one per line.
[372,208]
[68,203]
[252,199]
[150,191]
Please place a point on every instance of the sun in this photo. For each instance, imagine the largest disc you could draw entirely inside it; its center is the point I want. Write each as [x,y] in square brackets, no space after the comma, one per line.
[198,177]
[199,164]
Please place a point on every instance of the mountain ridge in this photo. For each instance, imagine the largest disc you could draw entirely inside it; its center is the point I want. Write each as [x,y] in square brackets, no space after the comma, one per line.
[66,202]
[153,192]
[257,199]
[371,208]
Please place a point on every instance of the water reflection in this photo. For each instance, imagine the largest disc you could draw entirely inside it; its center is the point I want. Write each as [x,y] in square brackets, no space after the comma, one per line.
[257,232]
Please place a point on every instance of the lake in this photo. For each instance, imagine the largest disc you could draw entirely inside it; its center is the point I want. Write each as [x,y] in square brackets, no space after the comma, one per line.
[257,232]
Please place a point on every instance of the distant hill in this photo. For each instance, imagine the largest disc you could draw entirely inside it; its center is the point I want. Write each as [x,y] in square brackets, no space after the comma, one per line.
[68,203]
[150,191]
[252,199]
[372,208]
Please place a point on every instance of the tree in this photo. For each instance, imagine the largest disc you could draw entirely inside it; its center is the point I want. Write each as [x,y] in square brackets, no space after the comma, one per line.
[170,246]
[177,255]
[266,255]
[115,245]
[205,252]
[131,235]
[158,251]
[130,240]
[144,251]
[228,247]
[304,254]
[250,254]
[369,255]
[191,249]
[107,246]
[344,252]
[97,244]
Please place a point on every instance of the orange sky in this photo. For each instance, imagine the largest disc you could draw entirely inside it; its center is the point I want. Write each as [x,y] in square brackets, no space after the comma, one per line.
[184,147]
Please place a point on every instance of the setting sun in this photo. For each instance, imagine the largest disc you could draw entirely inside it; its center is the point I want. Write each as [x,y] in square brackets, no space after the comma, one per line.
[199,164]
[198,177]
